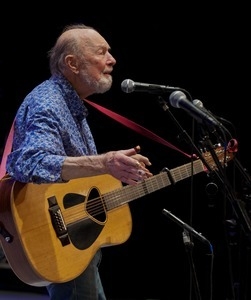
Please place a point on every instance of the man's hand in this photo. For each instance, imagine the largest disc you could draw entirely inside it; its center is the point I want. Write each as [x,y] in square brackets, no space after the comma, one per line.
[128,165]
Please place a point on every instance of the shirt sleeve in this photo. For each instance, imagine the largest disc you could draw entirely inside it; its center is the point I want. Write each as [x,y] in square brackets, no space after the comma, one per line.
[38,152]
[50,125]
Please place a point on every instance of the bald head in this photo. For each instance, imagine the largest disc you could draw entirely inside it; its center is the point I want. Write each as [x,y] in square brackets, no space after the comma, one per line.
[83,57]
[69,43]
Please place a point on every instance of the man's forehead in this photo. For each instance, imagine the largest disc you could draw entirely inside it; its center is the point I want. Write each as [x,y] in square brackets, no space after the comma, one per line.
[93,38]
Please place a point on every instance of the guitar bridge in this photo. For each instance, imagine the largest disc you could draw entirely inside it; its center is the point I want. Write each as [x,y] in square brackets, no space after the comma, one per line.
[58,221]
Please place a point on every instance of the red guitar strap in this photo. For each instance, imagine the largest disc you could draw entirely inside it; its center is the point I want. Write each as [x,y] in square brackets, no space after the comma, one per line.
[7,150]
[132,125]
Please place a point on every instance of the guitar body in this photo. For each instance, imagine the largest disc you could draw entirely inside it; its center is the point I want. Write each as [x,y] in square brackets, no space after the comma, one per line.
[56,229]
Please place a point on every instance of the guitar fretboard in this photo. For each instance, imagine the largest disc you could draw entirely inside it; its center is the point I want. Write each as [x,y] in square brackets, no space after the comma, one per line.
[128,193]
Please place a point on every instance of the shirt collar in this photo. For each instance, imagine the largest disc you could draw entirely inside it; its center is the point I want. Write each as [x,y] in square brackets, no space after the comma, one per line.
[74,102]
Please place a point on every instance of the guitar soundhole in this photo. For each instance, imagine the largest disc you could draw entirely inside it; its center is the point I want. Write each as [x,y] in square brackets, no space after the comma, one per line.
[94,205]
[83,233]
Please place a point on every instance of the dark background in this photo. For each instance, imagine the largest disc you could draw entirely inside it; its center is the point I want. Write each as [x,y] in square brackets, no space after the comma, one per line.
[203,49]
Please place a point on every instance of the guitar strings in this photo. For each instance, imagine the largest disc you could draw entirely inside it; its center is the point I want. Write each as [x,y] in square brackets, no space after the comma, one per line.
[121,196]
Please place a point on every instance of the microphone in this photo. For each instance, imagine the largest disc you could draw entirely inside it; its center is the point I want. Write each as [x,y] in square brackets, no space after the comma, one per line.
[185,226]
[179,100]
[200,105]
[129,86]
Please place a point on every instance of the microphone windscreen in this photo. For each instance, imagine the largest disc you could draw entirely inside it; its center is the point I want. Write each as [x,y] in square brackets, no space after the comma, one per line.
[127,86]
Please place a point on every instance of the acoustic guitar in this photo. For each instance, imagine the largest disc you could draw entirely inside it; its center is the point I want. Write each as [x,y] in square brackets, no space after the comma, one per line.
[50,232]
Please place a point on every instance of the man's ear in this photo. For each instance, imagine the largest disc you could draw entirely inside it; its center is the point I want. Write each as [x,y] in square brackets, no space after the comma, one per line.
[71,63]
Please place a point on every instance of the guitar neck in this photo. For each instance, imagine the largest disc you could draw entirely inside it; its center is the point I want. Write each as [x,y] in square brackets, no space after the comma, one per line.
[128,193]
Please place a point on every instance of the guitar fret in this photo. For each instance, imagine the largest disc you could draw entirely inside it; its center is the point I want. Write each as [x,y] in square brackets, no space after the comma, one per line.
[128,193]
[187,170]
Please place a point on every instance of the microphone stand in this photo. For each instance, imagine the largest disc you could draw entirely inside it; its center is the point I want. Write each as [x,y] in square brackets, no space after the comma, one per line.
[188,139]
[240,212]
[189,245]
[236,204]
[186,234]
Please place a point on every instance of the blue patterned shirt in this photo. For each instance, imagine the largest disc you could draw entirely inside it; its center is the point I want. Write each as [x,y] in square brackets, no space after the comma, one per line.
[50,125]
